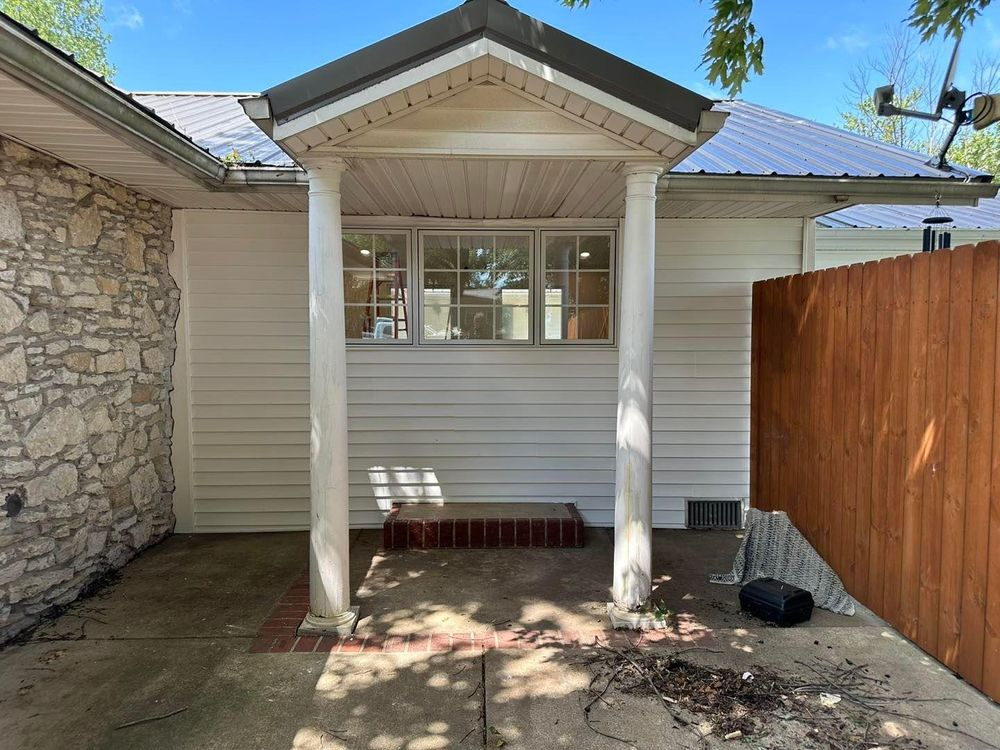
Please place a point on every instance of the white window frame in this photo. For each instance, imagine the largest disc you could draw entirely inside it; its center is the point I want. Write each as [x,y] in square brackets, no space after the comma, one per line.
[612,285]
[532,237]
[411,322]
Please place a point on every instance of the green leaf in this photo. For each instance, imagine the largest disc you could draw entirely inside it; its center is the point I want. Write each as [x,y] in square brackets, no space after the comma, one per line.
[74,26]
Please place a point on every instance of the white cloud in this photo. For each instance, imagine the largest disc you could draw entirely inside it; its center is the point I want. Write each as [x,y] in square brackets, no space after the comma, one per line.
[125,16]
[852,40]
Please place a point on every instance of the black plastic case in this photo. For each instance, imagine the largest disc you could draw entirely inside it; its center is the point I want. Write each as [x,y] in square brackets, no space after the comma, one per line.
[776,601]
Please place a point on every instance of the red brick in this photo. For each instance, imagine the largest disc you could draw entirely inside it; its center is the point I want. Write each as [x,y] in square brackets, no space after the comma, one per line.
[552,532]
[387,533]
[491,535]
[537,532]
[353,644]
[282,644]
[419,644]
[415,534]
[446,533]
[476,533]
[568,532]
[374,642]
[329,644]
[431,535]
[278,632]
[486,641]
[395,643]
[571,638]
[522,532]
[462,534]
[508,639]
[400,534]
[306,643]
[506,532]
[463,642]
[440,642]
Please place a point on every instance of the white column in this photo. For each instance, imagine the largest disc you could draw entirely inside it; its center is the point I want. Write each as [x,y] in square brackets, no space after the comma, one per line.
[330,608]
[633,457]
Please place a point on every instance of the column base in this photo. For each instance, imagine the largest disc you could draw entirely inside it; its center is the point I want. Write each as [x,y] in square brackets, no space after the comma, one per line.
[642,619]
[341,624]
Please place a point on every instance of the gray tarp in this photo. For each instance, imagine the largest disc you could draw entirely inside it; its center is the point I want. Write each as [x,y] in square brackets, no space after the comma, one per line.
[773,548]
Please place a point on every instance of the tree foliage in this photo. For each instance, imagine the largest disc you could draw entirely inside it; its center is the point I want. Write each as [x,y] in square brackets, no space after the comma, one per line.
[735,48]
[980,150]
[75,26]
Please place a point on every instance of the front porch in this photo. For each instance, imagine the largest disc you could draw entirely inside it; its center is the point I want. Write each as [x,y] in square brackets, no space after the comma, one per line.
[178,632]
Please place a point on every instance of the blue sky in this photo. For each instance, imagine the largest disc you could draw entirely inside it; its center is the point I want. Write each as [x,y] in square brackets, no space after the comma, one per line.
[811,45]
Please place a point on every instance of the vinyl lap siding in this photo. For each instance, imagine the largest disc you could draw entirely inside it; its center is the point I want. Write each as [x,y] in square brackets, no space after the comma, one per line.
[701,383]
[842,247]
[469,423]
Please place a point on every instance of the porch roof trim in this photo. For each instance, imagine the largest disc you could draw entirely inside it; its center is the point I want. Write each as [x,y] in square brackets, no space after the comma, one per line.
[496,21]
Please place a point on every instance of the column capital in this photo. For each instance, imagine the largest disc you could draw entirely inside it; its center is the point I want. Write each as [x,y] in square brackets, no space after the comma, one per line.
[643,167]
[324,171]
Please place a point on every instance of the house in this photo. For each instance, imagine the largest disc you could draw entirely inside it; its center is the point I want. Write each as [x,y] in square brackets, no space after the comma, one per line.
[542,293]
[862,233]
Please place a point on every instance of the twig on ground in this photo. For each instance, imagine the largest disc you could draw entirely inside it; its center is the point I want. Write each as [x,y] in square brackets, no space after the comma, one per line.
[149,719]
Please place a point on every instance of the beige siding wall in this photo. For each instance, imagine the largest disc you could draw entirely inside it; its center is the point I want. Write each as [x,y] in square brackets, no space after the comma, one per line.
[842,247]
[469,423]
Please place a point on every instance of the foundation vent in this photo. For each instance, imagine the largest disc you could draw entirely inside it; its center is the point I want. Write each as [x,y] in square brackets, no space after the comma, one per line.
[714,514]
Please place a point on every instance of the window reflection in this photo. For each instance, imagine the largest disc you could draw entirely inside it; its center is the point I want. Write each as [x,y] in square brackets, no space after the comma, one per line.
[477,287]
[375,286]
[578,286]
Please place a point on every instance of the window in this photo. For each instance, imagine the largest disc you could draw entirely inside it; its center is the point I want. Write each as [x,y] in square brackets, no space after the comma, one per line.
[476,286]
[579,286]
[375,286]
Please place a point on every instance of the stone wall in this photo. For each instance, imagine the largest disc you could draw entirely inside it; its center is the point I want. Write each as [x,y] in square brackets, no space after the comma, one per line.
[87,312]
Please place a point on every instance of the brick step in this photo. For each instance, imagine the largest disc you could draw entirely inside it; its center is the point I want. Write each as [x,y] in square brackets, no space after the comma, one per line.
[482,526]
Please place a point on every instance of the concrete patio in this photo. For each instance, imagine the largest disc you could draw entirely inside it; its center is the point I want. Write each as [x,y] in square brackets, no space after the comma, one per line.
[178,632]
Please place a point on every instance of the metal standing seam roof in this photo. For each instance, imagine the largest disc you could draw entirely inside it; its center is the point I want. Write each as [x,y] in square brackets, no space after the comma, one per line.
[217,123]
[754,141]
[984,216]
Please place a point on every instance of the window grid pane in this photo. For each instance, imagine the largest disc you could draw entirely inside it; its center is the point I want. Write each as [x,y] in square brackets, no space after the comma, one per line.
[487,298]
[578,287]
[375,286]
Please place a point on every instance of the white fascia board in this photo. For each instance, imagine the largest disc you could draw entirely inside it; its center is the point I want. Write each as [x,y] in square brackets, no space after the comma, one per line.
[592,93]
[468,53]
[400,82]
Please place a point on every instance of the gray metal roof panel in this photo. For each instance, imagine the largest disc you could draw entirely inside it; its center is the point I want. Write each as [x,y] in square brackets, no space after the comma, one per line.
[217,123]
[495,20]
[756,140]
[984,216]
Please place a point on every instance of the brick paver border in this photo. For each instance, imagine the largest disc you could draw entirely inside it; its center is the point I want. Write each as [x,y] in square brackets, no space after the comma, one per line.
[277,635]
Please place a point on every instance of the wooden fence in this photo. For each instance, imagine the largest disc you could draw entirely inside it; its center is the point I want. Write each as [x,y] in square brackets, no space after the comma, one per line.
[875,423]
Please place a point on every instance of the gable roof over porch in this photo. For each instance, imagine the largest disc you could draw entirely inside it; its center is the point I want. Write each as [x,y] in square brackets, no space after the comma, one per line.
[479,41]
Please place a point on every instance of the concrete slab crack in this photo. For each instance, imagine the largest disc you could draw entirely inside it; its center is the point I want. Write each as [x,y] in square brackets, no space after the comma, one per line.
[482,706]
